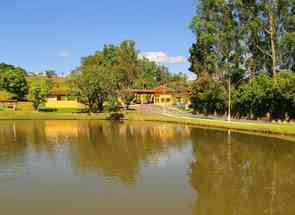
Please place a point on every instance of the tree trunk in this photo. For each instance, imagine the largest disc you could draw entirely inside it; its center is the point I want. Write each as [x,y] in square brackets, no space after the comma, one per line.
[273,43]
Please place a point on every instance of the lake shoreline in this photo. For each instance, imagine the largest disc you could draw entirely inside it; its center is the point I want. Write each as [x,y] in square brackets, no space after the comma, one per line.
[261,128]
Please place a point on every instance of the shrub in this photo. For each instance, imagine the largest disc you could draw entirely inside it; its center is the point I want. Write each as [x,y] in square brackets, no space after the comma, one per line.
[208,95]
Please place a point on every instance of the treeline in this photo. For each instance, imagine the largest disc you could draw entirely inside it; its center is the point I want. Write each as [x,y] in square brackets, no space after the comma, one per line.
[244,57]
[107,75]
[102,78]
[16,84]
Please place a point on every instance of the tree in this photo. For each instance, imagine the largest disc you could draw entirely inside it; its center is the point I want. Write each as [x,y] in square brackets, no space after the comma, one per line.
[203,57]
[263,95]
[150,75]
[39,93]
[13,80]
[127,97]
[94,84]
[127,67]
[208,96]
[250,98]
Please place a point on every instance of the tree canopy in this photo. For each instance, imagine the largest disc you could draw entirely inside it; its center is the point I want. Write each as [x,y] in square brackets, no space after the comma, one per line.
[105,75]
[13,80]
[247,45]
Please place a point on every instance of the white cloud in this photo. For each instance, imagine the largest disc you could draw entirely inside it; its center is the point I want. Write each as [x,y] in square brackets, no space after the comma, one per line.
[162,57]
[64,54]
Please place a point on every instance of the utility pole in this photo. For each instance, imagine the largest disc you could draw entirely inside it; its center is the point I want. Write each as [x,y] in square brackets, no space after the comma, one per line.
[229,100]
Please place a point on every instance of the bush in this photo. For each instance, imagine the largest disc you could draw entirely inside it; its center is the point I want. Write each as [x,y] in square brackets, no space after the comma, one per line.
[263,95]
[208,95]
[47,109]
[116,116]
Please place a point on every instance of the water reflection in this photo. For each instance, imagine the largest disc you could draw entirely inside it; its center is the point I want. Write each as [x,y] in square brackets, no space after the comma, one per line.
[119,150]
[116,150]
[144,165]
[242,174]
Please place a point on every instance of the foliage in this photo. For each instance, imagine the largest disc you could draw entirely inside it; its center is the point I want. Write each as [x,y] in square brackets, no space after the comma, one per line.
[109,73]
[93,84]
[150,75]
[127,97]
[248,98]
[38,93]
[263,95]
[12,79]
[6,96]
[208,95]
[255,36]
[249,41]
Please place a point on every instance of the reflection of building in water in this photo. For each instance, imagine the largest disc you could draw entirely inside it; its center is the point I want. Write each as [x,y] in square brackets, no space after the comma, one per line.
[156,131]
[250,175]
[55,129]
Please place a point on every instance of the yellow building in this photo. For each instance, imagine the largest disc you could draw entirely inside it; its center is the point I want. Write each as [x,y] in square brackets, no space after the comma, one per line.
[62,99]
[161,95]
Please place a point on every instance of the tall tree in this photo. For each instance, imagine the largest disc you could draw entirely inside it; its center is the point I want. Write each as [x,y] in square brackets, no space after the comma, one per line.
[203,55]
[13,80]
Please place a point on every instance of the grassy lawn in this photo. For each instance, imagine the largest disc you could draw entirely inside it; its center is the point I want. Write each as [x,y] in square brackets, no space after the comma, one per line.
[287,129]
[66,114]
[59,115]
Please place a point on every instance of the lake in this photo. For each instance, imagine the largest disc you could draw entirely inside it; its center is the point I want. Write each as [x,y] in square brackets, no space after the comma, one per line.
[101,167]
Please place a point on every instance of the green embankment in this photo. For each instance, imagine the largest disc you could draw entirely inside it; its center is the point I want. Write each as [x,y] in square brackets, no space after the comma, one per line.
[266,128]
[281,129]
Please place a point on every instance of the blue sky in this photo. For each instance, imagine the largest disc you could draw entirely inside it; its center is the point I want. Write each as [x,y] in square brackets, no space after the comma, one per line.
[54,34]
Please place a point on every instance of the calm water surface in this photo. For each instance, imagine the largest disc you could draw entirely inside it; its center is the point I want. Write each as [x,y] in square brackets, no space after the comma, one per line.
[92,167]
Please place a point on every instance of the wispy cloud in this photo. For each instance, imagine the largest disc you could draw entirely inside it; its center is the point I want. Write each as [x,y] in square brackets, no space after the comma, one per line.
[63,54]
[162,57]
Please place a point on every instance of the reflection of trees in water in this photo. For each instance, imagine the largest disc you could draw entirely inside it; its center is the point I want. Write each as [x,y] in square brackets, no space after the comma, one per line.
[115,149]
[119,149]
[242,174]
[12,151]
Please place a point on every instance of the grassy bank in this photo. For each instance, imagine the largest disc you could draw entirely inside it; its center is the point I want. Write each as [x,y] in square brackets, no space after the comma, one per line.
[265,128]
[276,129]
[23,115]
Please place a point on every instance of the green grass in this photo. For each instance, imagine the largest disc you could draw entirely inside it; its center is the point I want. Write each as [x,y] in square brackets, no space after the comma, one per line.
[285,129]
[5,110]
[30,115]
[63,110]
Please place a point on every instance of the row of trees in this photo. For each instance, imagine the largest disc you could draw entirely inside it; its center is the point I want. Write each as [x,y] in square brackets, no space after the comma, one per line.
[241,48]
[102,77]
[17,84]
[260,96]
[109,73]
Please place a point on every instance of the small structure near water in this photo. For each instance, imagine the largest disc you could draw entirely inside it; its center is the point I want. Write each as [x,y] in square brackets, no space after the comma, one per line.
[11,104]
[161,95]
[62,99]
